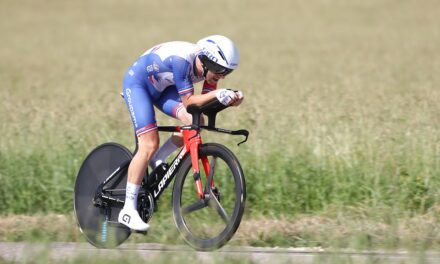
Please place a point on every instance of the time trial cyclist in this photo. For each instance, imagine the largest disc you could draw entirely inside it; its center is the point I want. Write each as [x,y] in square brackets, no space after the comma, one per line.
[163,77]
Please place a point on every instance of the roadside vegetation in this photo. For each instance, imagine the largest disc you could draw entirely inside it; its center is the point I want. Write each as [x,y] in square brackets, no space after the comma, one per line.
[341,103]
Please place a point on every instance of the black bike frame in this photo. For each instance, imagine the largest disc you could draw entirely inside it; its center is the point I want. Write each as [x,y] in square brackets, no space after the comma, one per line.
[158,188]
[105,193]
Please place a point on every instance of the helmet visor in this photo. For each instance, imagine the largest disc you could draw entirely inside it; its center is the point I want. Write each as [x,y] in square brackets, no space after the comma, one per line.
[214,67]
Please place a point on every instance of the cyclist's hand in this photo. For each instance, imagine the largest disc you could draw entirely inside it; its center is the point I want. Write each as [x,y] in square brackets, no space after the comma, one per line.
[239,99]
[225,96]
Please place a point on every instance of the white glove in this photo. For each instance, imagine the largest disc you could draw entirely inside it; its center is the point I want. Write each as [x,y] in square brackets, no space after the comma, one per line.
[225,96]
[240,98]
[240,95]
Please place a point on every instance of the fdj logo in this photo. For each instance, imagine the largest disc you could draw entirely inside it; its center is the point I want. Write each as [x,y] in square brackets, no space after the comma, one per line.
[153,67]
[209,55]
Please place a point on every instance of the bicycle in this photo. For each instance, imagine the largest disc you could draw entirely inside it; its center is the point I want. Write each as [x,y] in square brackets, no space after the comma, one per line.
[206,216]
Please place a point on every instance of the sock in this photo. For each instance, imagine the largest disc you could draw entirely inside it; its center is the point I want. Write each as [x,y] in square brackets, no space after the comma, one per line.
[162,153]
[131,195]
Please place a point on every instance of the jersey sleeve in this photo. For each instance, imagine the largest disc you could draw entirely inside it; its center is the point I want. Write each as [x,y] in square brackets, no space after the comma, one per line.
[208,87]
[182,78]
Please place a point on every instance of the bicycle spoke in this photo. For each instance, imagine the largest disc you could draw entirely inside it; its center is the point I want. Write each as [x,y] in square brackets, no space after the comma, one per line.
[200,204]
[208,185]
[213,202]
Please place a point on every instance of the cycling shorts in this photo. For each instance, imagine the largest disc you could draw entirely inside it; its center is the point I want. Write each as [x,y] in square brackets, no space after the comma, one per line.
[141,105]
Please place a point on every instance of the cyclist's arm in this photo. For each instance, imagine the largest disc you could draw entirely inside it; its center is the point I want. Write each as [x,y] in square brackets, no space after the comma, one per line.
[202,99]
[197,99]
[185,87]
[208,94]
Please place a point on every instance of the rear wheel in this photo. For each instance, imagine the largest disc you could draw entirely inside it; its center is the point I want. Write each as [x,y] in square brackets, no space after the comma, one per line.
[100,223]
[209,223]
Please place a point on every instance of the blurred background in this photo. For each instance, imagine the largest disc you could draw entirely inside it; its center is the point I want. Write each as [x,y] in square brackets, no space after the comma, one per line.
[341,103]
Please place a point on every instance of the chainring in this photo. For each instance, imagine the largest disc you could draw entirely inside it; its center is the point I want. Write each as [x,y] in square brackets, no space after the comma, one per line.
[146,205]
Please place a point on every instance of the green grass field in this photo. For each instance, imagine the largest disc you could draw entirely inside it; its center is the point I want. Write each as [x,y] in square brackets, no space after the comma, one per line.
[341,102]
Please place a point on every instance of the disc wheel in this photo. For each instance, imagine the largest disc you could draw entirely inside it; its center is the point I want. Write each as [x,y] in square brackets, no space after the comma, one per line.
[209,223]
[100,224]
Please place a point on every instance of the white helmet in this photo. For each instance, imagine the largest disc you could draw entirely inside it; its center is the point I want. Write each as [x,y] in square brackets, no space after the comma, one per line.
[218,54]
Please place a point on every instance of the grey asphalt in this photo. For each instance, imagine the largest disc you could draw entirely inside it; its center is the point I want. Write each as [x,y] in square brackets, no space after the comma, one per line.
[24,252]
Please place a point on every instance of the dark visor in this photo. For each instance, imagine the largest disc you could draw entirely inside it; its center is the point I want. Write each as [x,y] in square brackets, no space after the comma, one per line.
[214,67]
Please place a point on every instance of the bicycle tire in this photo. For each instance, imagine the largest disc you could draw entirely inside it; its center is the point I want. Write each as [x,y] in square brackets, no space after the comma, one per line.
[100,231]
[230,173]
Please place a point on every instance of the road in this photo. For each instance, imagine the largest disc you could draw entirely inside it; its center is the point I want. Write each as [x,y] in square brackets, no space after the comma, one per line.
[23,252]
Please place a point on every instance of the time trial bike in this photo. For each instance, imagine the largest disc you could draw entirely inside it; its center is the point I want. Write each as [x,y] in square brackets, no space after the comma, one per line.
[208,196]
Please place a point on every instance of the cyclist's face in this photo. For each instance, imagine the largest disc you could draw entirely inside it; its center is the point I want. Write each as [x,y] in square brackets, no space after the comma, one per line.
[213,78]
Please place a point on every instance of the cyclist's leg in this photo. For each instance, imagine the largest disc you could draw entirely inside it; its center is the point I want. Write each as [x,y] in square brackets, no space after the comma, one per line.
[140,106]
[170,104]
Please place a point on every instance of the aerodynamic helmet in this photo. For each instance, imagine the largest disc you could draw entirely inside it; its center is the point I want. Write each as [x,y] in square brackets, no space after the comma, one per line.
[218,54]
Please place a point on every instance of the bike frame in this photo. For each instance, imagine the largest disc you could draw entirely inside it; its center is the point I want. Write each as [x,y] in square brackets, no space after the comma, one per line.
[191,139]
[191,142]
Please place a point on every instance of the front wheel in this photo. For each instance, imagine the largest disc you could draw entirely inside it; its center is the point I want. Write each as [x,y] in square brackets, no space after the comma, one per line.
[209,223]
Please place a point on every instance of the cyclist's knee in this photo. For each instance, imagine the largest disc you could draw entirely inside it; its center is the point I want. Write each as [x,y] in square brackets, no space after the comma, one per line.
[186,118]
[183,116]
[148,143]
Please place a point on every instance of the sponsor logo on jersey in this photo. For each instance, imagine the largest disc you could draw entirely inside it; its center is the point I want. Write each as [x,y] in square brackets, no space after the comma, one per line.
[155,67]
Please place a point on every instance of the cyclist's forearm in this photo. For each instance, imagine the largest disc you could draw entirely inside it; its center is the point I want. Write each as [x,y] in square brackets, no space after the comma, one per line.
[198,99]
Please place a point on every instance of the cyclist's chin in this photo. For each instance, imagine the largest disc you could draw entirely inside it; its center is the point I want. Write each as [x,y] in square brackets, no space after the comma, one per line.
[212,78]
[212,81]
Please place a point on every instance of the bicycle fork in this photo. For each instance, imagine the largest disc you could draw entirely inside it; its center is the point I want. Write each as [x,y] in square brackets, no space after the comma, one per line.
[193,139]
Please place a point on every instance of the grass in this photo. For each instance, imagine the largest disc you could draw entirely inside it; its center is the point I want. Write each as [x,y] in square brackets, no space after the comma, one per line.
[341,99]
[355,229]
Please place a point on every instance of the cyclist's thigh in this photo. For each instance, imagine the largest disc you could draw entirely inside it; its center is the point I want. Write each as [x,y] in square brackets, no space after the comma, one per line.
[169,103]
[140,106]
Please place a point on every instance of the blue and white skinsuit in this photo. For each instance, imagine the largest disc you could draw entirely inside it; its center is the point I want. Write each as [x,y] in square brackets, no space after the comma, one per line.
[159,78]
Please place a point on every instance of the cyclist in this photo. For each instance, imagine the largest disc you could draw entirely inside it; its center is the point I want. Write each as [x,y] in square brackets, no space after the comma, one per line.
[163,77]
